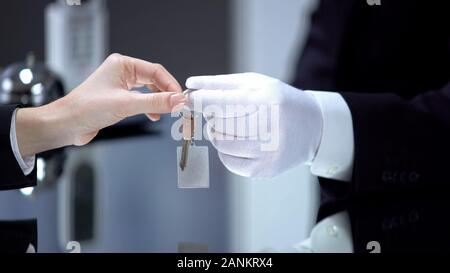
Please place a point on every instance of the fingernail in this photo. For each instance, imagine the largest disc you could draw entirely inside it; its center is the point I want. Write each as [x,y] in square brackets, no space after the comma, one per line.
[156,119]
[153,118]
[176,99]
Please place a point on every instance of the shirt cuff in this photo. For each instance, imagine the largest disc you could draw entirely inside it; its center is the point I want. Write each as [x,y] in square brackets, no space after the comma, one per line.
[331,235]
[334,158]
[25,163]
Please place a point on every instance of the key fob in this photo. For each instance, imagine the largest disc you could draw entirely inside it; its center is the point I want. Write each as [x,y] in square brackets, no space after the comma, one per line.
[196,173]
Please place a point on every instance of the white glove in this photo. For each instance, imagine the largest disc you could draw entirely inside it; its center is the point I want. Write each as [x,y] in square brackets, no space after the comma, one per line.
[259,125]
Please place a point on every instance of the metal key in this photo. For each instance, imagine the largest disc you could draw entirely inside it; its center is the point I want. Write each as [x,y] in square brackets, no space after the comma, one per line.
[188,134]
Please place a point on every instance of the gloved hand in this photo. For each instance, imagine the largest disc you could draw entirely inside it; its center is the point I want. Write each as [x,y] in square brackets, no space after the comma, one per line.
[100,101]
[293,119]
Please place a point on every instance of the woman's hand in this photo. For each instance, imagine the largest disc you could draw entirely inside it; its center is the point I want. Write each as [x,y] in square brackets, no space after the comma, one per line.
[102,100]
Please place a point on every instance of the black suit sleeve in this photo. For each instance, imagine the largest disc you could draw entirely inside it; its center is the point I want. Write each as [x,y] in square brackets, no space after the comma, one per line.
[11,175]
[400,144]
[17,236]
[405,223]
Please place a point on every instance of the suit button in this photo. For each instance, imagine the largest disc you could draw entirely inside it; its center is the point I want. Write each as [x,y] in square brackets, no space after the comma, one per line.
[414,216]
[332,231]
[414,177]
[388,177]
[332,170]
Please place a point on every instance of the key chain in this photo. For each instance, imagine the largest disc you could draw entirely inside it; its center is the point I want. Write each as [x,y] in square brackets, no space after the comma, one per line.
[192,160]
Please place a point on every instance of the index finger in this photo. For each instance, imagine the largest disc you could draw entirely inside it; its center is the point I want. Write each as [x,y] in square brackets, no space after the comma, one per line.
[144,72]
[223,103]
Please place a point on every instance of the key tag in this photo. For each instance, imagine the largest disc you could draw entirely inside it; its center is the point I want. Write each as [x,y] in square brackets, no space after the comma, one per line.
[195,173]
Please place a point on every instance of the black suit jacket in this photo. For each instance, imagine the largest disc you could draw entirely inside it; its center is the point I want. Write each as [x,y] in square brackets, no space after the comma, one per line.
[391,65]
[11,175]
[400,224]
[16,236]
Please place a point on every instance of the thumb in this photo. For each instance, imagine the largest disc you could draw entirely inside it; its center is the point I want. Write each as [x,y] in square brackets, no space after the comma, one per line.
[164,102]
[221,82]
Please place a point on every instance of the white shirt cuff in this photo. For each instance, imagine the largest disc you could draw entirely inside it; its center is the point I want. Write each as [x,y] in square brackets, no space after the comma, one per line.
[25,163]
[331,235]
[334,158]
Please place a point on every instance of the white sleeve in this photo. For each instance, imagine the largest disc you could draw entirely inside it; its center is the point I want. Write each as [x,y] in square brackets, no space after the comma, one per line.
[331,235]
[334,158]
[25,163]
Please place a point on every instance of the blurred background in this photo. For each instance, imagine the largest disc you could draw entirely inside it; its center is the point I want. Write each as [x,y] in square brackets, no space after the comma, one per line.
[119,193]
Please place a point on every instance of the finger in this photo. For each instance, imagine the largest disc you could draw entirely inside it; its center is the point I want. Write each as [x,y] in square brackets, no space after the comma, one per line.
[212,82]
[152,87]
[247,167]
[243,126]
[136,85]
[153,117]
[144,72]
[226,81]
[155,103]
[240,147]
[223,103]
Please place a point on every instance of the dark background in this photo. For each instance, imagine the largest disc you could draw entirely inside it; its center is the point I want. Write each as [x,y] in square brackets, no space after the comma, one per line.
[187,37]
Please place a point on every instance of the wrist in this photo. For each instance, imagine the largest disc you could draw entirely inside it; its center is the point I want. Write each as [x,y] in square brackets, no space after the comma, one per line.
[317,119]
[43,128]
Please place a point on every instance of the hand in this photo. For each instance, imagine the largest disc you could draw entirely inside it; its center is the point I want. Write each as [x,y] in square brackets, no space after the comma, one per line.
[102,100]
[238,107]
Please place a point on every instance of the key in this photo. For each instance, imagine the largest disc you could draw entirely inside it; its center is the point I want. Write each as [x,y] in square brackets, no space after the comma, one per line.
[188,134]
[192,160]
